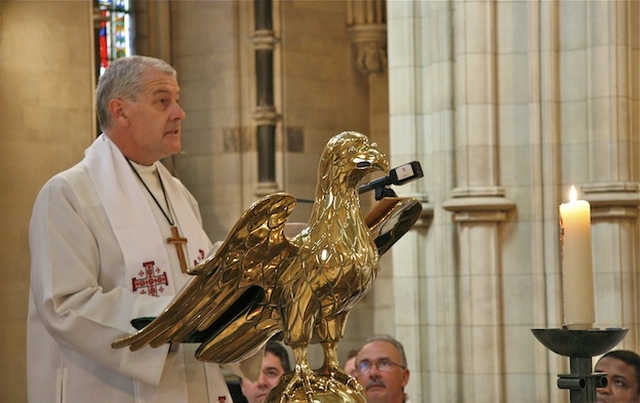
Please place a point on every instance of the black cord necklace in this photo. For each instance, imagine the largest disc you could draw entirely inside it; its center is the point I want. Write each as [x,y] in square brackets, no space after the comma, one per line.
[175,238]
[166,200]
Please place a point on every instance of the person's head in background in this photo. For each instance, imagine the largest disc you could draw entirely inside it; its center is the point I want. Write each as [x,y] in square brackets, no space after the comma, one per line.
[381,369]
[274,364]
[623,377]
[350,364]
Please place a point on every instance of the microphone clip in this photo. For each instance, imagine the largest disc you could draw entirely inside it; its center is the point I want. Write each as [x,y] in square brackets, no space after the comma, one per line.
[397,176]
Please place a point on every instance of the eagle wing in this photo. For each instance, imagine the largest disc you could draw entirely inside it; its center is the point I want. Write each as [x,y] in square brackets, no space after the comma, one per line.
[232,282]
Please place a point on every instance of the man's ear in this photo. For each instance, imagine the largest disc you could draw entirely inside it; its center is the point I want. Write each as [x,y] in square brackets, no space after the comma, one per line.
[118,110]
[405,377]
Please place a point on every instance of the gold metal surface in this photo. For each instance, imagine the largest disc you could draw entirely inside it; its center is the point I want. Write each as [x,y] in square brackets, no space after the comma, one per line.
[260,283]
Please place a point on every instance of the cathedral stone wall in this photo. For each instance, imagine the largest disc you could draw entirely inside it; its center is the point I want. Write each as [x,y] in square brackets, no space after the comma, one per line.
[505,104]
[46,122]
[512,103]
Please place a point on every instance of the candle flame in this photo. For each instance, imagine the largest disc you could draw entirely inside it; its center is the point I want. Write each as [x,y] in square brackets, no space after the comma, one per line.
[573,196]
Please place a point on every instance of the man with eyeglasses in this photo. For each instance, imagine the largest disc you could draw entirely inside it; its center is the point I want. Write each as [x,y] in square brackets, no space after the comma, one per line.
[381,369]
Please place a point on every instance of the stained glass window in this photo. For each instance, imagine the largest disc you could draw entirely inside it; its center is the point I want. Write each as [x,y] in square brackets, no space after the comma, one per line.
[114,32]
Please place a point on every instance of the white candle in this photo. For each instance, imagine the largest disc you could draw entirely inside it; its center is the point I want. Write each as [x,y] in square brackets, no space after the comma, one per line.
[577,271]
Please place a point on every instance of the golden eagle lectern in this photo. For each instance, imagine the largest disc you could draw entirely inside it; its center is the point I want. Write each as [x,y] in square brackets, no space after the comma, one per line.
[260,283]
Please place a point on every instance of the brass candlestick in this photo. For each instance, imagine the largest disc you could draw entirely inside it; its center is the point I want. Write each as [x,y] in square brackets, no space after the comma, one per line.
[580,346]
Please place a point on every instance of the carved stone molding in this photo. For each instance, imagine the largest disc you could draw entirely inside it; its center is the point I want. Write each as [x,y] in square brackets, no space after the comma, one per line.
[265,115]
[264,39]
[479,204]
[370,41]
[367,22]
[613,200]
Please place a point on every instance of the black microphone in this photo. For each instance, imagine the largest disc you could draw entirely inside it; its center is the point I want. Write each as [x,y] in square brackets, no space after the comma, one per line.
[397,176]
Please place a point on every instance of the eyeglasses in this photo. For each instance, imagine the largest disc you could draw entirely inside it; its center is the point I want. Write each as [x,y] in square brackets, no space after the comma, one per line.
[383,365]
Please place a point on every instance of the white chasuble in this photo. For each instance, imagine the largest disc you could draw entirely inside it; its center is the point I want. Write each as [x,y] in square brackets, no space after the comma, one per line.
[93,233]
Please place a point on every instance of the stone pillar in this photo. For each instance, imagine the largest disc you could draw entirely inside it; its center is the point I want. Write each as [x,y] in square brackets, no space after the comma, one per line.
[612,126]
[153,29]
[366,20]
[265,112]
[424,309]
[478,202]
[367,25]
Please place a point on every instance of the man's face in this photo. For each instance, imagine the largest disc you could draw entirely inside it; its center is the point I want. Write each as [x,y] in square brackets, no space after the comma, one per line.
[622,384]
[272,370]
[380,386]
[154,118]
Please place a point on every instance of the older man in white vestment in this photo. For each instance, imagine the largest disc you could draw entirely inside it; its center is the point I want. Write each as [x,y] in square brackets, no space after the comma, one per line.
[110,239]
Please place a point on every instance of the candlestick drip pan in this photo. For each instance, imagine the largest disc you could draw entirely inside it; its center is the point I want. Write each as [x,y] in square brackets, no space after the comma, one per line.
[580,343]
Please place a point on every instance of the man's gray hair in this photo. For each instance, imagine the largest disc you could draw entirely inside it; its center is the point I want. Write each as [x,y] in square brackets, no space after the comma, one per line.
[389,339]
[122,80]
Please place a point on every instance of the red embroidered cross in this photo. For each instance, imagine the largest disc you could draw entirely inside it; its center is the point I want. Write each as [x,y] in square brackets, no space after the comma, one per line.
[198,258]
[222,399]
[151,280]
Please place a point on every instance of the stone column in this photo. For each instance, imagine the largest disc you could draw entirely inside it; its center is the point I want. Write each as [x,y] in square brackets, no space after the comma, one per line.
[612,125]
[424,309]
[366,20]
[153,29]
[367,25]
[478,202]
[265,114]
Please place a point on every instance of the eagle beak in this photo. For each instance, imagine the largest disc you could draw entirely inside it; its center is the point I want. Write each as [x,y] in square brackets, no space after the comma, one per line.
[373,160]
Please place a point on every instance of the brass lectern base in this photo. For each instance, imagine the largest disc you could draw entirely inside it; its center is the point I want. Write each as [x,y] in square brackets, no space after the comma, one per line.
[321,388]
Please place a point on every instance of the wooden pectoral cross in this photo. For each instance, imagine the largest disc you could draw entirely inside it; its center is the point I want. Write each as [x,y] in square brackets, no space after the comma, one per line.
[178,242]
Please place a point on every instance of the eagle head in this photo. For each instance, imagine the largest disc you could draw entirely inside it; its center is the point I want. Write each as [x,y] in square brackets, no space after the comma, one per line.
[349,157]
